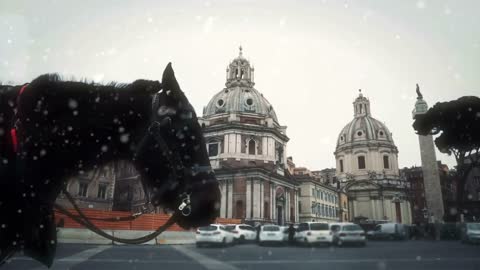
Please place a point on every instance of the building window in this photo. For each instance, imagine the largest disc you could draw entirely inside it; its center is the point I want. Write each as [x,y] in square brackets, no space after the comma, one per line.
[213,149]
[251,147]
[386,163]
[300,207]
[321,194]
[102,191]
[361,162]
[341,165]
[82,189]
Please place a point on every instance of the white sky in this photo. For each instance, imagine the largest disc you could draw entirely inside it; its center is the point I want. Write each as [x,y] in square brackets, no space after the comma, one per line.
[310,57]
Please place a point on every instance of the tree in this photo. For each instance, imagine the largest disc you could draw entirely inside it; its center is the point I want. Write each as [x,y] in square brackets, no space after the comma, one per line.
[457,123]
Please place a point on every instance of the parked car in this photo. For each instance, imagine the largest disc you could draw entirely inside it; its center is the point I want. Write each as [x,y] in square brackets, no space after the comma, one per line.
[242,232]
[270,234]
[336,225]
[214,234]
[313,233]
[470,233]
[389,231]
[349,233]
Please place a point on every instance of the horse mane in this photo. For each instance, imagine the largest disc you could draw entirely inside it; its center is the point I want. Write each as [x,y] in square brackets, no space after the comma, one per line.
[57,78]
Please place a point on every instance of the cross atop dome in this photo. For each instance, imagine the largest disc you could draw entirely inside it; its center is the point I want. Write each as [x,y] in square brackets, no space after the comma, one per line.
[240,53]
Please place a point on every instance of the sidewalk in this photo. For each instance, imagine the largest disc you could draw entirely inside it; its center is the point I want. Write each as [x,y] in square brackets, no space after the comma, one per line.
[85,236]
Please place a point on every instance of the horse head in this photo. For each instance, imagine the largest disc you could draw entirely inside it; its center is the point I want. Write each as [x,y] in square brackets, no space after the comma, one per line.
[181,167]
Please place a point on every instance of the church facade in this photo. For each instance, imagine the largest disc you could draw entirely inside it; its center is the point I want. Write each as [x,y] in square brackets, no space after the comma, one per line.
[367,169]
[247,149]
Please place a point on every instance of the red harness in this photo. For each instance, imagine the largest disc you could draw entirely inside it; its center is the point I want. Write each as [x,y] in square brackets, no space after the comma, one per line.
[13,131]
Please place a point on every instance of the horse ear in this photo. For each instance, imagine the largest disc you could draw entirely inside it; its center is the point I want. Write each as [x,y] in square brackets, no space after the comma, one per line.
[169,82]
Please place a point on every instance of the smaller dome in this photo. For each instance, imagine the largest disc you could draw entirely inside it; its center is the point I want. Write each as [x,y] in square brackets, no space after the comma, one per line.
[364,128]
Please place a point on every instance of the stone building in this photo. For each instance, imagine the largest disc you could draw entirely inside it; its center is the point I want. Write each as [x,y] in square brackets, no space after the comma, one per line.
[367,168]
[418,203]
[247,147]
[115,186]
[318,201]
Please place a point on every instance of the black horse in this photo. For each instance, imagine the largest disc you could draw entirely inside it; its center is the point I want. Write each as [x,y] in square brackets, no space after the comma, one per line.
[51,129]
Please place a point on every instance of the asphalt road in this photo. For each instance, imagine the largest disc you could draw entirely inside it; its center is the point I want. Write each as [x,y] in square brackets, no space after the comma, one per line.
[376,255]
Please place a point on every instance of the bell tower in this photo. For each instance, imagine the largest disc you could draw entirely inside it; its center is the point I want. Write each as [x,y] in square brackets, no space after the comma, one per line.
[239,72]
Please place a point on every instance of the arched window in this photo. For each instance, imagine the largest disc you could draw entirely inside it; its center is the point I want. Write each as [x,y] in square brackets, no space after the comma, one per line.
[386,163]
[341,165]
[251,147]
[361,162]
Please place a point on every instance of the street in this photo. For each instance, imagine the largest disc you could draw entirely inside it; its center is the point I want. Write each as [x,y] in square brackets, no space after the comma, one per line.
[376,255]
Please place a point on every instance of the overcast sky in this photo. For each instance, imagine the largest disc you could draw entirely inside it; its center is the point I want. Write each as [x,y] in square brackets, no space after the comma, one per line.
[310,57]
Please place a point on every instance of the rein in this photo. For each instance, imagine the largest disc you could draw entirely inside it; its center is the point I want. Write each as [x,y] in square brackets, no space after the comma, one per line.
[183,209]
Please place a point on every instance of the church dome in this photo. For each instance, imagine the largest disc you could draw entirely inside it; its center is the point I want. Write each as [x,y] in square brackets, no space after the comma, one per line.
[239,96]
[364,128]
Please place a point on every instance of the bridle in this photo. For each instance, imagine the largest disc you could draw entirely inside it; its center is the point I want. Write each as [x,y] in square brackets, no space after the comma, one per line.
[177,171]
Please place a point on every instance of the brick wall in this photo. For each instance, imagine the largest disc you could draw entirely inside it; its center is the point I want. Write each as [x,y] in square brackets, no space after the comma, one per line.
[146,222]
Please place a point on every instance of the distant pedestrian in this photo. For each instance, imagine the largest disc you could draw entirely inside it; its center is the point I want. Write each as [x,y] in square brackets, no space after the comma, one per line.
[291,234]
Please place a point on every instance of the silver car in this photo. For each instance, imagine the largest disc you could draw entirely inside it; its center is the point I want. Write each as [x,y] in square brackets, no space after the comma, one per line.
[349,234]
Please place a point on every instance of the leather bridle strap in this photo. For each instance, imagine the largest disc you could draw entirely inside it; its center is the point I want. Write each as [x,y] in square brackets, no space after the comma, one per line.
[173,159]
[83,220]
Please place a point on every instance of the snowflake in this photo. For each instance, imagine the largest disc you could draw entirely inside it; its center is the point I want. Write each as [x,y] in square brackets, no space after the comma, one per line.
[124,138]
[104,148]
[420,4]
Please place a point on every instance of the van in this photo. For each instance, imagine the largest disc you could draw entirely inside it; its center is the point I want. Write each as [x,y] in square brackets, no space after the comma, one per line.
[390,231]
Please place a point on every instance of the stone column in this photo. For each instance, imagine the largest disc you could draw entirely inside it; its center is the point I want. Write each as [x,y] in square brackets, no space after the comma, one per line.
[256,201]
[248,203]
[287,205]
[223,202]
[230,199]
[296,206]
[261,200]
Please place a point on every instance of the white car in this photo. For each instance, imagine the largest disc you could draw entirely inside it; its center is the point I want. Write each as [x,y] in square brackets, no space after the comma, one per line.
[214,234]
[271,234]
[314,233]
[391,231]
[470,233]
[349,233]
[242,232]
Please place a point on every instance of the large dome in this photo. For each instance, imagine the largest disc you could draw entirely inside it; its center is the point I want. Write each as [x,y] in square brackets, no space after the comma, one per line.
[239,99]
[364,128]
[239,96]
